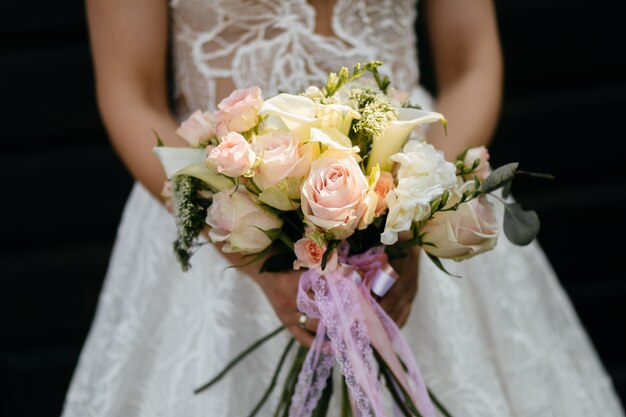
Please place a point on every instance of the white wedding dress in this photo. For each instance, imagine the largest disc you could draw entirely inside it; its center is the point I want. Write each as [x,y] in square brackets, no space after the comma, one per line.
[502,341]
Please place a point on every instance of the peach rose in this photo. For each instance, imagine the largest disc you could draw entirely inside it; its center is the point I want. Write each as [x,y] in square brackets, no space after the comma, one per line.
[236,220]
[197,129]
[238,112]
[281,158]
[336,196]
[383,186]
[483,169]
[464,233]
[310,255]
[232,157]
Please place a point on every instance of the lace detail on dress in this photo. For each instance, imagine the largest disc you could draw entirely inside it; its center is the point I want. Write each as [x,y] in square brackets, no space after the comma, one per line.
[220,45]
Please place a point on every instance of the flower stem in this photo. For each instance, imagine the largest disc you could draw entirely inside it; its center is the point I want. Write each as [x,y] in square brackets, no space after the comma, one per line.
[237,359]
[270,388]
[438,404]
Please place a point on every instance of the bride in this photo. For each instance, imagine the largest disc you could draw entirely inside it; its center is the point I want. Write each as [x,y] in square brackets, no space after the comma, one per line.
[503,341]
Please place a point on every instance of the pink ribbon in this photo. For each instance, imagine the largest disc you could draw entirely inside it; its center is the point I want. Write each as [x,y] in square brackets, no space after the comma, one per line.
[350,322]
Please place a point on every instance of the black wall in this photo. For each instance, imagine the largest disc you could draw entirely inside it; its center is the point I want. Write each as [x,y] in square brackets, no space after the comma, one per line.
[564,99]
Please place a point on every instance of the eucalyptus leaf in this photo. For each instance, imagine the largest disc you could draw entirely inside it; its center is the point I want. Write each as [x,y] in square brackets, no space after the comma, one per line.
[520,226]
[506,190]
[499,177]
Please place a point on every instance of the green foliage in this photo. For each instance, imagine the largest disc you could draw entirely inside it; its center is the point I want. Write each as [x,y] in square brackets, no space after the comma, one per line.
[376,111]
[190,213]
[499,177]
[520,226]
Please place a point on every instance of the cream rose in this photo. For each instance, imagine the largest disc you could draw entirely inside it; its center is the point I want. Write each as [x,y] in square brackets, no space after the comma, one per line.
[197,129]
[238,112]
[235,219]
[336,196]
[281,157]
[464,233]
[483,169]
[232,157]
[309,255]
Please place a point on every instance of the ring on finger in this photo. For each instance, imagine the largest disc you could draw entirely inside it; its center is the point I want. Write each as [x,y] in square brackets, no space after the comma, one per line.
[302,320]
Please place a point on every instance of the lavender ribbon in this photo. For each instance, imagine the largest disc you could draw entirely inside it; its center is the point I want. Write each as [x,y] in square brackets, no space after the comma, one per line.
[350,323]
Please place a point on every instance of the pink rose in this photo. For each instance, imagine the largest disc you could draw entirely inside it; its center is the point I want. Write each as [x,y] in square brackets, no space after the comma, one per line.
[310,255]
[336,196]
[238,112]
[383,186]
[483,169]
[461,234]
[281,158]
[236,220]
[232,157]
[197,129]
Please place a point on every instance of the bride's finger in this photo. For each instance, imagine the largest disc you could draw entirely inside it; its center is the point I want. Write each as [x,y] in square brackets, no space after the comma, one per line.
[309,324]
[301,335]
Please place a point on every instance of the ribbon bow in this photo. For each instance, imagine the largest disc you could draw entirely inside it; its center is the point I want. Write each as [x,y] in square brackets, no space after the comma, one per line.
[351,322]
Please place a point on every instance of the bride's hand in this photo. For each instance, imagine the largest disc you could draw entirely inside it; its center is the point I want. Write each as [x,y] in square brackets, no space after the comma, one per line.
[398,301]
[281,289]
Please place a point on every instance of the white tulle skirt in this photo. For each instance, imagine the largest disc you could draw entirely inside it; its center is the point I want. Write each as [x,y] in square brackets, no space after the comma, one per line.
[502,341]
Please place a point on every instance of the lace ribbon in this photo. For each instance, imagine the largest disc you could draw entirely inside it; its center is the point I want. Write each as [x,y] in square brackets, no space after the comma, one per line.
[350,323]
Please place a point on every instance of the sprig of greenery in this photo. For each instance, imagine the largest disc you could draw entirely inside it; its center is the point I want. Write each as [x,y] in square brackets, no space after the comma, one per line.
[336,80]
[376,111]
[190,213]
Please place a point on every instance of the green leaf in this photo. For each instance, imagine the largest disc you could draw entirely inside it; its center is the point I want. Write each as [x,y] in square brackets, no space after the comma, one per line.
[499,177]
[272,234]
[439,265]
[506,190]
[255,257]
[329,249]
[158,138]
[520,226]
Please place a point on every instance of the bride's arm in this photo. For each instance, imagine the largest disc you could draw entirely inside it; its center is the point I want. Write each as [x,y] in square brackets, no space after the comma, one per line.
[468,70]
[128,43]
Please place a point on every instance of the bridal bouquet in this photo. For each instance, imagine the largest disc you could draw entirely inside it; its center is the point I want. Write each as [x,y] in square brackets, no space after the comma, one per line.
[335,181]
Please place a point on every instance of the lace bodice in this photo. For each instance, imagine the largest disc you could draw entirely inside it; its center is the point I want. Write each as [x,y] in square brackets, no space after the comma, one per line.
[221,45]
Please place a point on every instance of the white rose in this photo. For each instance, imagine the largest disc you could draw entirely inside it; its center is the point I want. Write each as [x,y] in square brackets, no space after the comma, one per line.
[464,233]
[235,219]
[423,175]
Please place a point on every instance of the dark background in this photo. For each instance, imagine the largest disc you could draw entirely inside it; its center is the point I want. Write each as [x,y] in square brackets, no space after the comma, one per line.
[563,111]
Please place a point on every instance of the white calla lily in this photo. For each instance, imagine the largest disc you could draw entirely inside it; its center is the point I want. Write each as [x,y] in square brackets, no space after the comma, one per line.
[190,161]
[293,110]
[334,139]
[396,134]
[339,116]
